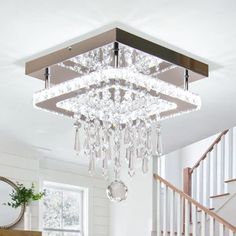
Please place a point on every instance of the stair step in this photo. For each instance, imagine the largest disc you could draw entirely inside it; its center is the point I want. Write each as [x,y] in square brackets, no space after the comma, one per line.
[220,195]
[230,180]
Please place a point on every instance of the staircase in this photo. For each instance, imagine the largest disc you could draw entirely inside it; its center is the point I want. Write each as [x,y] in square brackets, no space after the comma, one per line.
[179,214]
[209,193]
[212,180]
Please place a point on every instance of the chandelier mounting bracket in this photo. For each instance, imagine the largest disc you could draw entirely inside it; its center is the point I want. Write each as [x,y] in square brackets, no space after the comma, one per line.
[197,69]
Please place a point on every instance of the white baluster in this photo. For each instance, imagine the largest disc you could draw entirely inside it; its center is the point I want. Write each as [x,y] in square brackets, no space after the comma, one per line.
[214,171]
[193,184]
[212,226]
[198,180]
[159,166]
[194,220]
[172,212]
[207,180]
[228,159]
[204,181]
[230,147]
[187,217]
[200,183]
[231,233]
[222,166]
[155,197]
[179,215]
[221,230]
[203,223]
[158,207]
[165,197]
[233,154]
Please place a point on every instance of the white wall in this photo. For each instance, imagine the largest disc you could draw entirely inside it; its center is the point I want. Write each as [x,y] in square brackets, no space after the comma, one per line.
[133,216]
[185,157]
[192,153]
[173,164]
[26,171]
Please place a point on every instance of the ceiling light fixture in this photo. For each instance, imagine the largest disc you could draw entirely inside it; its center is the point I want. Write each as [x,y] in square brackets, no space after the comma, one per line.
[117,87]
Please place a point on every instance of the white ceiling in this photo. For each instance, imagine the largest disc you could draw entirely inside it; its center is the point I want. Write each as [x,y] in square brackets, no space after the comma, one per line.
[205,30]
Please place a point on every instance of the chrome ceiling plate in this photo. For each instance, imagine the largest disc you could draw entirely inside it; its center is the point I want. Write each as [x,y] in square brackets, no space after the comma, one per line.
[62,61]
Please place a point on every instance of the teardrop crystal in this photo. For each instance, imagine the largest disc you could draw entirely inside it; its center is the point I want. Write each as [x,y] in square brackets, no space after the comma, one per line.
[149,140]
[127,138]
[127,154]
[77,125]
[159,143]
[77,141]
[131,164]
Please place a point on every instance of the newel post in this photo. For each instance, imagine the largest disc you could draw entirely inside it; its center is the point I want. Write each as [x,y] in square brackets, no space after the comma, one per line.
[187,190]
[187,181]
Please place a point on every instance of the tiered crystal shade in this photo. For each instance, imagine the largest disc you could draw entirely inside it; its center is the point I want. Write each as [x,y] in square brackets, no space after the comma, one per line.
[117,87]
[117,95]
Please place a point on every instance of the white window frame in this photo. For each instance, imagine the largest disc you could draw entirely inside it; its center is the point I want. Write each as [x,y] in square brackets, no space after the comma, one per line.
[83,209]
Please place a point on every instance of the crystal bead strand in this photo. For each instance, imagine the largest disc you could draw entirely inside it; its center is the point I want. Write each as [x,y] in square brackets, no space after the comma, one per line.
[97,144]
[86,146]
[138,140]
[143,146]
[117,146]
[159,139]
[148,148]
[131,162]
[127,141]
[92,148]
[105,150]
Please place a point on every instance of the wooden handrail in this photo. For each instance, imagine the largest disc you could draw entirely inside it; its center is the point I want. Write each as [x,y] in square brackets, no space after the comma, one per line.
[203,157]
[185,196]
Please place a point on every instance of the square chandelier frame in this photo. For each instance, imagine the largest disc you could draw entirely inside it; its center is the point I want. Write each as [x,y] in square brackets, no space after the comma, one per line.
[178,63]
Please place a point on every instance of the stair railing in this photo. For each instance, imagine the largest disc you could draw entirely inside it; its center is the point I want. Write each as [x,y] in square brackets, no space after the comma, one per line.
[207,177]
[174,208]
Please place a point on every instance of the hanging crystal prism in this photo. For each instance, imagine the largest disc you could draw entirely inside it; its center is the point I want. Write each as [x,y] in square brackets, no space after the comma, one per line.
[97,144]
[127,154]
[159,140]
[77,126]
[127,138]
[117,145]
[149,139]
[131,170]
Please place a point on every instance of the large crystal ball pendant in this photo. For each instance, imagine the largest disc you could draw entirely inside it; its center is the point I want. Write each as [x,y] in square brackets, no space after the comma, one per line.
[117,191]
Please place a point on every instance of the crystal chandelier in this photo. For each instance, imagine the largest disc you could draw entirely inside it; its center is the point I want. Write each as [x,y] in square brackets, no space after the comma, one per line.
[117,87]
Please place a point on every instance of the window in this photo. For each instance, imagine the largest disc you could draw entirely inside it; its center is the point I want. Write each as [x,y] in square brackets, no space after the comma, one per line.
[63,210]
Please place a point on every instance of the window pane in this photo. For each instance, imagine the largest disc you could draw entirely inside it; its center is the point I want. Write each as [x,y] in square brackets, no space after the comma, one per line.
[71,210]
[71,234]
[52,233]
[52,210]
